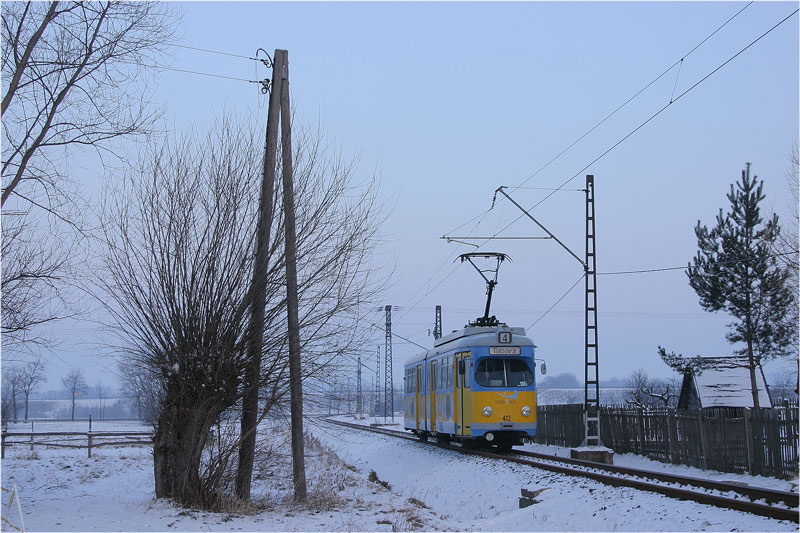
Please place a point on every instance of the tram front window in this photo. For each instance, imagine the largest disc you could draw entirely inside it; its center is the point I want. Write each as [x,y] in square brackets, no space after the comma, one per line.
[503,373]
[518,374]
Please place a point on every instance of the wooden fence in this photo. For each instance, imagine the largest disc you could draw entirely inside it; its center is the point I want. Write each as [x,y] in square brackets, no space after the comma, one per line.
[739,440]
[73,439]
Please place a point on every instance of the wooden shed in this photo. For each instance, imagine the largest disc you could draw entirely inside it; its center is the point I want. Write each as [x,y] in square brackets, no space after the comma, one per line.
[722,382]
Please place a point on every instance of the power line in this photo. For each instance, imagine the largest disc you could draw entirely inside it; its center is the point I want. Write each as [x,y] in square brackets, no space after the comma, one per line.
[629,100]
[483,215]
[400,336]
[665,269]
[557,301]
[442,264]
[640,126]
[162,67]
[216,52]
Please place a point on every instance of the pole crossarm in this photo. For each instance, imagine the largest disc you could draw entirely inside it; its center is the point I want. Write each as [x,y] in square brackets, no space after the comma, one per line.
[564,246]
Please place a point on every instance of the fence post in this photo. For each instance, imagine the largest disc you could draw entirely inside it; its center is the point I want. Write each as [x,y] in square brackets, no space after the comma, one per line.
[640,428]
[703,441]
[748,438]
[671,435]
[90,444]
[3,445]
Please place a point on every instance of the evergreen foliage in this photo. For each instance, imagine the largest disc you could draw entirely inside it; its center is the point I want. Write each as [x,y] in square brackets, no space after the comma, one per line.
[735,271]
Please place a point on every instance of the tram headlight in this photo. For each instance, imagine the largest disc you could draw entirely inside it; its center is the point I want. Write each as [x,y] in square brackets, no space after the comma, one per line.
[487,411]
[526,411]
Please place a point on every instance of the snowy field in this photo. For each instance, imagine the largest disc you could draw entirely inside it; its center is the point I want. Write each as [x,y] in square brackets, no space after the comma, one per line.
[413,487]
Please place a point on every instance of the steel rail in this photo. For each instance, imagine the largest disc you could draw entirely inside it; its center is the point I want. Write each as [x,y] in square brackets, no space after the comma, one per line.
[755,493]
[547,462]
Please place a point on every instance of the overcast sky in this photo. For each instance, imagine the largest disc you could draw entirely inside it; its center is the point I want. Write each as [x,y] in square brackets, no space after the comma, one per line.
[448,101]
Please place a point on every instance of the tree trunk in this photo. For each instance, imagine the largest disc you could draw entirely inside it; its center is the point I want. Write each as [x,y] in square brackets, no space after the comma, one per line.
[181,435]
[753,383]
[751,358]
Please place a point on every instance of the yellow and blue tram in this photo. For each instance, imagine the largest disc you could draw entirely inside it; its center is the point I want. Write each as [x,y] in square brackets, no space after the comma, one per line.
[476,386]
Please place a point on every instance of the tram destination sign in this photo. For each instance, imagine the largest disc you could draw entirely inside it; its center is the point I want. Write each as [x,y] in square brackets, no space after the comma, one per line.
[504,350]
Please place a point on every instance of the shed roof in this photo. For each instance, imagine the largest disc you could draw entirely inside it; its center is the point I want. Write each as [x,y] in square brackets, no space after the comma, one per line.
[725,382]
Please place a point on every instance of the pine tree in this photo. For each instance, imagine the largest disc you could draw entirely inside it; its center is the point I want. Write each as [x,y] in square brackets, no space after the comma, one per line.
[735,271]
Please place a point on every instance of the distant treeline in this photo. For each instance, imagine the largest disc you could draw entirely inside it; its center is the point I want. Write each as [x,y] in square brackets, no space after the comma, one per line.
[84,407]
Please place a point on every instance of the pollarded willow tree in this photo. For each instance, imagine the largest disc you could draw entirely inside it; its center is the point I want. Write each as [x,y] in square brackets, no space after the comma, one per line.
[74,81]
[736,270]
[178,254]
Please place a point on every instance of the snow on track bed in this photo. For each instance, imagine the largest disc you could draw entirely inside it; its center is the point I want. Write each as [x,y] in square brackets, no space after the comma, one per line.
[429,489]
[569,504]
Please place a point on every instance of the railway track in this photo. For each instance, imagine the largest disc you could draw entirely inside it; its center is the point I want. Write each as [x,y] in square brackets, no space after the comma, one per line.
[775,504]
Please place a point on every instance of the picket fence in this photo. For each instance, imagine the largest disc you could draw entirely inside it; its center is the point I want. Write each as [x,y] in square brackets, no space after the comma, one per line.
[737,440]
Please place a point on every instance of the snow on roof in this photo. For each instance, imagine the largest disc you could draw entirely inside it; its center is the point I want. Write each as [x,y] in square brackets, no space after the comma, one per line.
[726,383]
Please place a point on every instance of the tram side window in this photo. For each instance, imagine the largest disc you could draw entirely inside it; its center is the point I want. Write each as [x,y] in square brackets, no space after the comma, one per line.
[450,372]
[451,365]
[410,381]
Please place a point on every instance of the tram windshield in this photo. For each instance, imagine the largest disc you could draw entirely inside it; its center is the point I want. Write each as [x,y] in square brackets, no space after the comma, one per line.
[503,373]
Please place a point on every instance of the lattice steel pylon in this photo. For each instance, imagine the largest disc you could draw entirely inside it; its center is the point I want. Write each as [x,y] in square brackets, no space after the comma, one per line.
[388,392]
[437,325]
[378,384]
[591,405]
[359,404]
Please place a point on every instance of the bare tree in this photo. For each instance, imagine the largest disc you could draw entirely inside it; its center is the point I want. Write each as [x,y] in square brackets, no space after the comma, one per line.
[143,388]
[787,248]
[783,386]
[74,77]
[75,385]
[34,267]
[12,380]
[31,376]
[179,265]
[645,391]
[102,392]
[6,406]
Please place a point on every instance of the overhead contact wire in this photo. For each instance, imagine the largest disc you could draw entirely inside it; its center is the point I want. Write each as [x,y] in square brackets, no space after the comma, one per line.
[629,100]
[557,301]
[643,124]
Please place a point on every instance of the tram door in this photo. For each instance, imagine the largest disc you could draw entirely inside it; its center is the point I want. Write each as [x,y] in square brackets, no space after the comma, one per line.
[433,397]
[417,389]
[464,394]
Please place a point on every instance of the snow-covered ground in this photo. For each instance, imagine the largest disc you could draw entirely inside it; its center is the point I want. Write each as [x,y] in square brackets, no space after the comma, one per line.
[413,487]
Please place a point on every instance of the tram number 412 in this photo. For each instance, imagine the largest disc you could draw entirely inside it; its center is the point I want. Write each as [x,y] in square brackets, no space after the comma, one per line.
[506,418]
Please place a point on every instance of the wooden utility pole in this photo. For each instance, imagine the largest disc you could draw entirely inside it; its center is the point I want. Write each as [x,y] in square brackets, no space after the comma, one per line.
[258,291]
[295,376]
